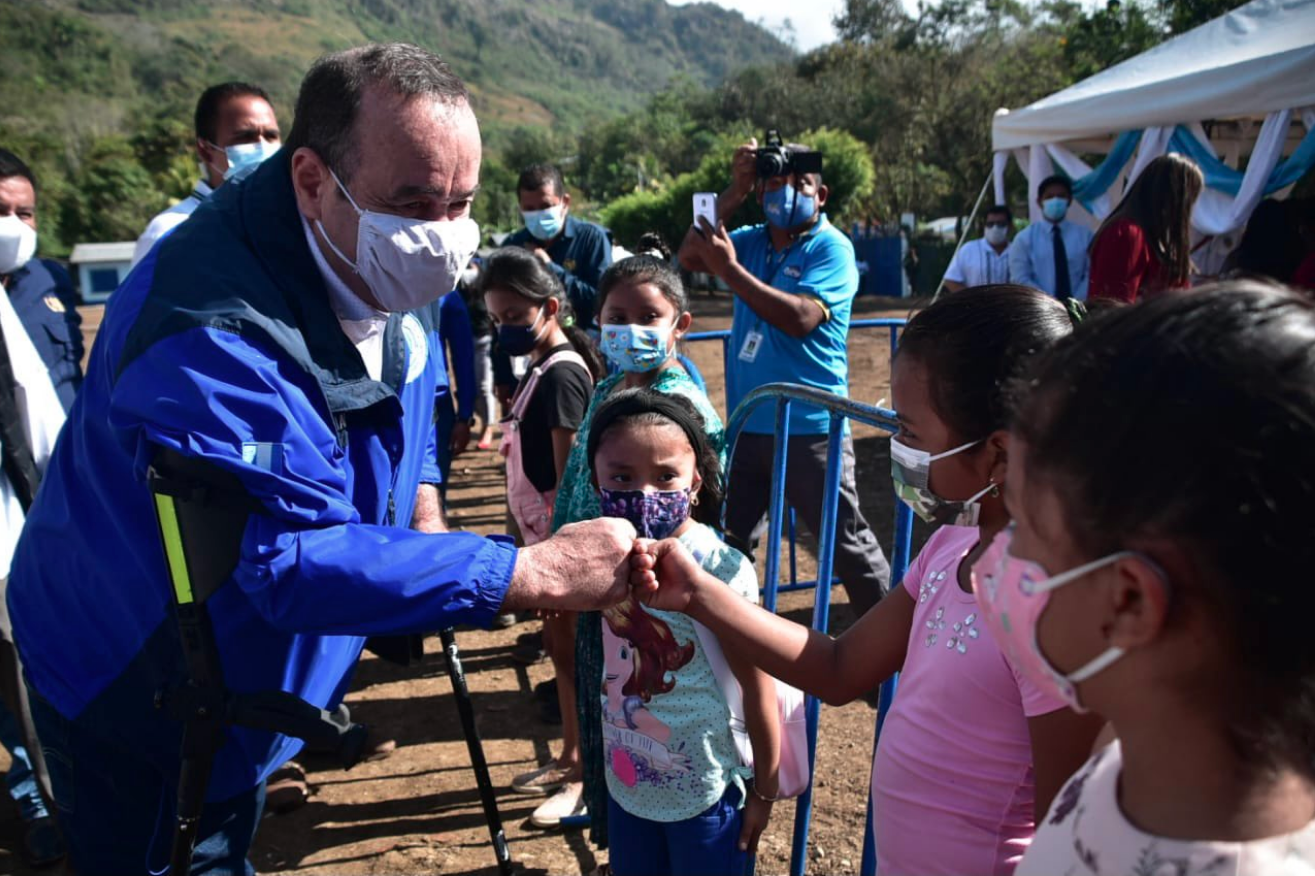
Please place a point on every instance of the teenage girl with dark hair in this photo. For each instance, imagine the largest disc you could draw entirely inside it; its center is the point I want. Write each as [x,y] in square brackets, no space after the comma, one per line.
[1158,572]
[1145,245]
[970,750]
[679,800]
[534,318]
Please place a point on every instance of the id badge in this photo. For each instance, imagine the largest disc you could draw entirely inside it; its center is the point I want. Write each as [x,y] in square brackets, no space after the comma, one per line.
[753,341]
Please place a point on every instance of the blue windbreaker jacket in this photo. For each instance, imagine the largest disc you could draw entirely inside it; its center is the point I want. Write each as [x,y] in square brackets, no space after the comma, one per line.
[221,344]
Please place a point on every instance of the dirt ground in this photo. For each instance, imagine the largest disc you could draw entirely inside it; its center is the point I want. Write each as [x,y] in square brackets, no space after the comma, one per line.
[418,811]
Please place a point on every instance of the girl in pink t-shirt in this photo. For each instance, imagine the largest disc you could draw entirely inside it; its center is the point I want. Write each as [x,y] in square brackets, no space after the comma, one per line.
[1159,572]
[970,750]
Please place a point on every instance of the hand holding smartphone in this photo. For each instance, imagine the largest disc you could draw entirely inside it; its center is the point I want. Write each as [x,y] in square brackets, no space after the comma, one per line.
[705,207]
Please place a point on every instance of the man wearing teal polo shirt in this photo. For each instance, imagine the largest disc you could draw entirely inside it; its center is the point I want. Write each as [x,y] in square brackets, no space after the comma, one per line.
[794,280]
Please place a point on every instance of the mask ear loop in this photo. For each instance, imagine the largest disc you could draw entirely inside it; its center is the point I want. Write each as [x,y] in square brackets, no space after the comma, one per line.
[320,225]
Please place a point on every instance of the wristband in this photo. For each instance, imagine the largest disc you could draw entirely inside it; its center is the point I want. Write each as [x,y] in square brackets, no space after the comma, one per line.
[753,788]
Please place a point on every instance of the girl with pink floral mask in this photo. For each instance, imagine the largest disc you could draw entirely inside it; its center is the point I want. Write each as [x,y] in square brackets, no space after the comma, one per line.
[1158,572]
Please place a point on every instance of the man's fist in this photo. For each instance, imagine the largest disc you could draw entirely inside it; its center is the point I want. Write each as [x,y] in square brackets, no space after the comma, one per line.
[585,566]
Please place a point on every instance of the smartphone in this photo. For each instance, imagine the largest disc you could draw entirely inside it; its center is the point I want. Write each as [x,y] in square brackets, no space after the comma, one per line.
[705,207]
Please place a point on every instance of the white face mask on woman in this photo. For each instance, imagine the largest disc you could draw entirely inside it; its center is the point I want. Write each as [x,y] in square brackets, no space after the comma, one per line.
[407,263]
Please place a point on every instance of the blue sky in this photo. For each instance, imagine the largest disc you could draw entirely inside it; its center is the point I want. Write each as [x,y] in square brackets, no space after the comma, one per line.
[811,18]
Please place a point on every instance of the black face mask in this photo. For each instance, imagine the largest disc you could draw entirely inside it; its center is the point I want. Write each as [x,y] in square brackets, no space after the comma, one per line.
[519,340]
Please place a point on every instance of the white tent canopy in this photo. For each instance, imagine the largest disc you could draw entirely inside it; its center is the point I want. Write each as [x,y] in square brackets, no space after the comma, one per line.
[1258,59]
[1249,74]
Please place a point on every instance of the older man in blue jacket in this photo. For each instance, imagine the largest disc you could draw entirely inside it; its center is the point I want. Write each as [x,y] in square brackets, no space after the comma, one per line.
[267,340]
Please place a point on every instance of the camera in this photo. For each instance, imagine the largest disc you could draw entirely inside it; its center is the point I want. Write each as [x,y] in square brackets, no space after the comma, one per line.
[775,159]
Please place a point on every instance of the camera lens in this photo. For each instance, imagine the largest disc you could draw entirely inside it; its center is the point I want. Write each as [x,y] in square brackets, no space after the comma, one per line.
[772,162]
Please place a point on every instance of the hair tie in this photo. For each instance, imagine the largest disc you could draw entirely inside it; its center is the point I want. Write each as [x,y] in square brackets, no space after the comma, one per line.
[566,321]
[1077,311]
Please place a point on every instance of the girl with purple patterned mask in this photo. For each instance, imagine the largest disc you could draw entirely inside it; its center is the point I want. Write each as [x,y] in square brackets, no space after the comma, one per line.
[653,464]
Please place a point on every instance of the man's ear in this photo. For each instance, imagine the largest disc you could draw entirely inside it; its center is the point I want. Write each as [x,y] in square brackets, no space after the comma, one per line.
[309,176]
[566,200]
[823,192]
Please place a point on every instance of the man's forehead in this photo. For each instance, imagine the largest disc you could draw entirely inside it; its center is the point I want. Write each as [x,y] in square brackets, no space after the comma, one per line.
[419,143]
[17,191]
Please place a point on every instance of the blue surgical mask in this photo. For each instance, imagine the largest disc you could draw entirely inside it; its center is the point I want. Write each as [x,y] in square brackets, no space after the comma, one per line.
[636,348]
[786,207]
[519,340]
[244,156]
[545,224]
[1055,209]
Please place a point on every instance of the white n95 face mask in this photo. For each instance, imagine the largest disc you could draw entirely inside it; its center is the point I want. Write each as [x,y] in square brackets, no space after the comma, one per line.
[407,263]
[18,243]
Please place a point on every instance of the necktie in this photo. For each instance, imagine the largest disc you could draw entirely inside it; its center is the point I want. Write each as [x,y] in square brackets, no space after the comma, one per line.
[1063,289]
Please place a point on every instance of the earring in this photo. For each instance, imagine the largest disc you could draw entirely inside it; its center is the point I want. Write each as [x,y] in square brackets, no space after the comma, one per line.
[995,490]
[694,500]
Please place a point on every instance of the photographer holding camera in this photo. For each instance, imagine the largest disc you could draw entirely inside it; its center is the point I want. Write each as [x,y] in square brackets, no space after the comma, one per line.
[794,280]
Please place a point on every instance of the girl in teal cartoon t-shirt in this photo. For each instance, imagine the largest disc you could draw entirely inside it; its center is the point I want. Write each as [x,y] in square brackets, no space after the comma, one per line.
[679,799]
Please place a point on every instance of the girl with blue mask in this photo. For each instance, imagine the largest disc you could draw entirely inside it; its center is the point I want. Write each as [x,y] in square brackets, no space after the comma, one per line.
[643,315]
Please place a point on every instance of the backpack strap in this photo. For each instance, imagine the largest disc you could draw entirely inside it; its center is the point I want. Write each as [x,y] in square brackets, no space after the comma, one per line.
[531,381]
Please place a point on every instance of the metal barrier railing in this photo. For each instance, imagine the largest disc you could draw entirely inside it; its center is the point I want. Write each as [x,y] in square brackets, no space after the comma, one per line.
[839,410]
[892,325]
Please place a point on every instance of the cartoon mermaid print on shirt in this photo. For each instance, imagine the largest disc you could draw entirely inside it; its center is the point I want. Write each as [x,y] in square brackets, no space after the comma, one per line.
[639,650]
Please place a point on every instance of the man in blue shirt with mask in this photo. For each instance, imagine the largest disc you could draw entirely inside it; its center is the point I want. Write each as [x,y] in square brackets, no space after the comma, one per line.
[1043,245]
[794,281]
[577,251]
[39,289]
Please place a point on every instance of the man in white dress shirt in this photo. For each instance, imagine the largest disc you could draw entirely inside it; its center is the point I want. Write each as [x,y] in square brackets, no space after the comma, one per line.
[984,261]
[235,128]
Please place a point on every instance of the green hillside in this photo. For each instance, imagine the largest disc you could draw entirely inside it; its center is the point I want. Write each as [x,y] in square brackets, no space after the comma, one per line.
[88,65]
[98,94]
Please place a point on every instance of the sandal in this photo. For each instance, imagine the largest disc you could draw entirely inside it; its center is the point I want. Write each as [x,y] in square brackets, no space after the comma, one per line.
[544,781]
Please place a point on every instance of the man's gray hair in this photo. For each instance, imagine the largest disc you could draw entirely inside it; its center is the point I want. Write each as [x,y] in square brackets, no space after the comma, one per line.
[330,97]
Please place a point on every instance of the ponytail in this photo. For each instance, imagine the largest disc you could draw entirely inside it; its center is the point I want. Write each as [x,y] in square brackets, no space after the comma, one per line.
[582,344]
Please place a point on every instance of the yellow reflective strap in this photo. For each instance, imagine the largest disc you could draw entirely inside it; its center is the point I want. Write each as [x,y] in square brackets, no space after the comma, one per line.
[173,548]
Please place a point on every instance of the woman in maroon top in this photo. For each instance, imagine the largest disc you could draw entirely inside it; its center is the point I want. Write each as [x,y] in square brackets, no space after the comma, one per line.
[1145,245]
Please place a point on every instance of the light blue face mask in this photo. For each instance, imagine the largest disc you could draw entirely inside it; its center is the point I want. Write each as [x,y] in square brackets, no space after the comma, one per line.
[545,224]
[786,207]
[1055,209]
[636,348]
[243,157]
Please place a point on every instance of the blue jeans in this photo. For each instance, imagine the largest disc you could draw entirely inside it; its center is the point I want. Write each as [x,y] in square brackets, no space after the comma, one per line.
[117,808]
[445,418]
[708,843]
[21,780]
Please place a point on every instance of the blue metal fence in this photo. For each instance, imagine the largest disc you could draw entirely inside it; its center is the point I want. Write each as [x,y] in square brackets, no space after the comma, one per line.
[723,336]
[784,395]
